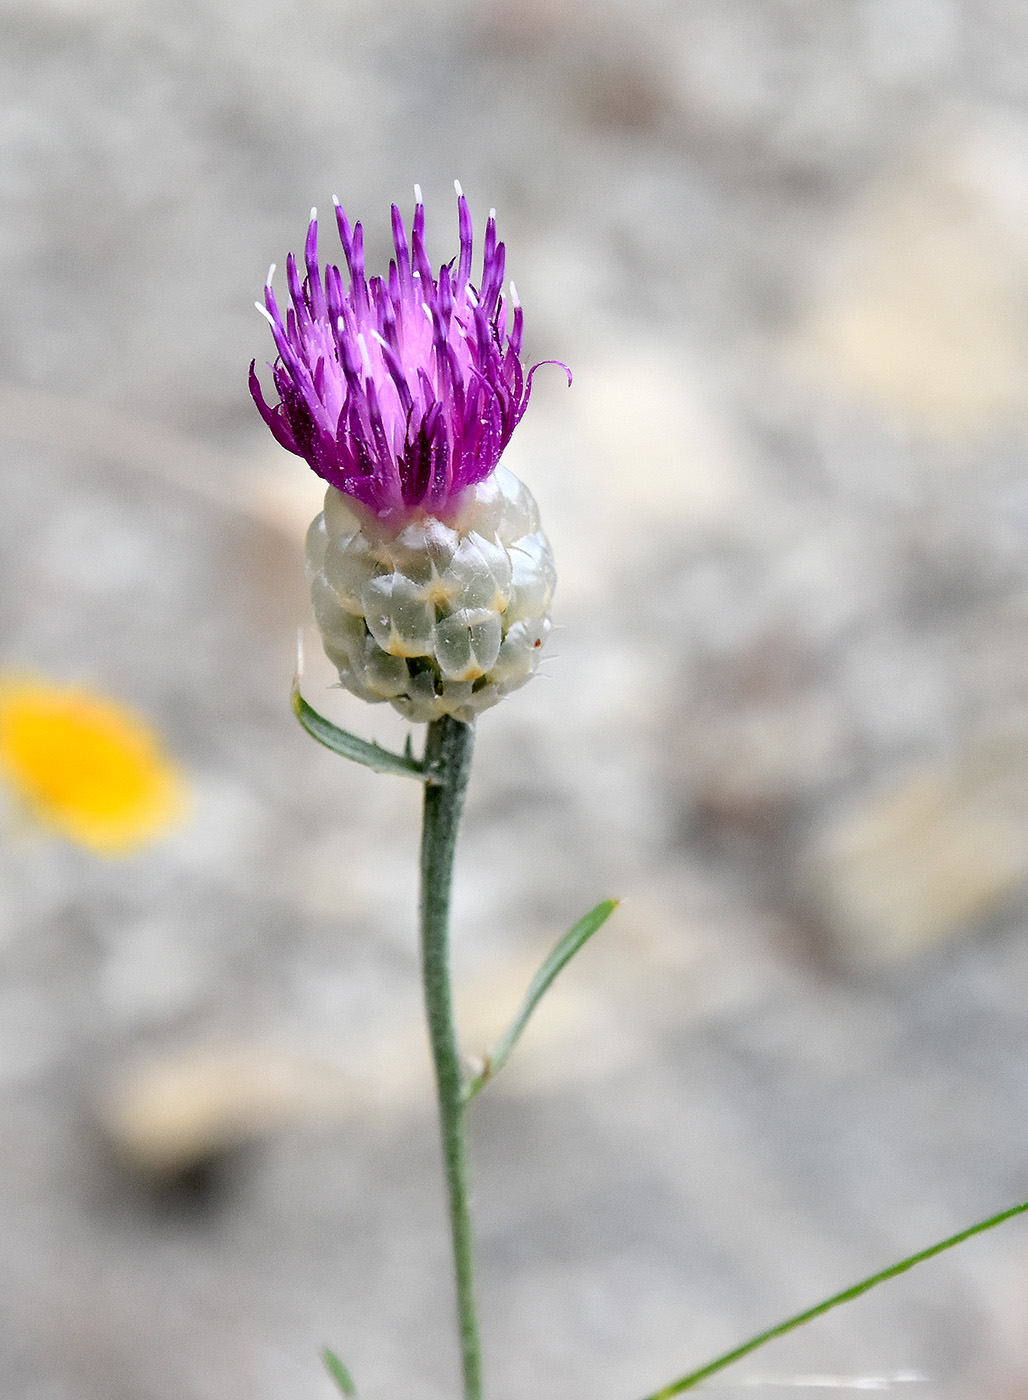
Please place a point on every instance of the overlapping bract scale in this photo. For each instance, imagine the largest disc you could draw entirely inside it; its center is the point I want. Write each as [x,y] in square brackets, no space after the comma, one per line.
[437,618]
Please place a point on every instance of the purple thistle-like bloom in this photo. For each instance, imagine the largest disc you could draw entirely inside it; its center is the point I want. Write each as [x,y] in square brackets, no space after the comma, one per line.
[399,391]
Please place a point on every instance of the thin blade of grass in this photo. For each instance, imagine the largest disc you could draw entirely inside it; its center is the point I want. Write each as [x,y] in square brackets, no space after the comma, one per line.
[693,1378]
[563,952]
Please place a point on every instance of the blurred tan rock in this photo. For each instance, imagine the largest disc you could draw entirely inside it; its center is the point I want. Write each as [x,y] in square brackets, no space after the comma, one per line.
[285,495]
[922,311]
[656,438]
[660,455]
[924,860]
[162,1116]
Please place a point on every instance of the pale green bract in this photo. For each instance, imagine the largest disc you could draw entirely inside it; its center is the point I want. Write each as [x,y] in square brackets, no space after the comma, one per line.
[440,617]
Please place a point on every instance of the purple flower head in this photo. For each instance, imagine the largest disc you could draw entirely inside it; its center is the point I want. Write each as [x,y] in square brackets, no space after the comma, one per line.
[399,391]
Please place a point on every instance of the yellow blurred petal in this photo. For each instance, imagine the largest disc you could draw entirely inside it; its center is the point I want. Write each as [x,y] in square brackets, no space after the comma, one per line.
[86,766]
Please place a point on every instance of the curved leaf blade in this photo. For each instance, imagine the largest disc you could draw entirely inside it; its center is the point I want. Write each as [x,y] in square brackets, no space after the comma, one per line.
[348,745]
[339,1373]
[575,938]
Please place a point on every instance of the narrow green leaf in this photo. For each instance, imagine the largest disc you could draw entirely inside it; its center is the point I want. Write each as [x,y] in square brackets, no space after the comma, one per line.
[348,745]
[339,1373]
[847,1295]
[561,955]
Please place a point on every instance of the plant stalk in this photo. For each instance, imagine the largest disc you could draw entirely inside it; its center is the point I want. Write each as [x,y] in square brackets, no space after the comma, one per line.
[447,763]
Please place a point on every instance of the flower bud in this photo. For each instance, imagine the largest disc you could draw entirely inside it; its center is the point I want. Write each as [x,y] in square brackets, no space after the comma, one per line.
[430,576]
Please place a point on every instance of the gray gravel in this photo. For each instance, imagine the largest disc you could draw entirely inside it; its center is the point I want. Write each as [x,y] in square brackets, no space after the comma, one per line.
[784,245]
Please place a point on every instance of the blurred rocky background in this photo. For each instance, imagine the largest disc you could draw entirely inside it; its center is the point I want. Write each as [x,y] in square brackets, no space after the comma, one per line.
[784,246]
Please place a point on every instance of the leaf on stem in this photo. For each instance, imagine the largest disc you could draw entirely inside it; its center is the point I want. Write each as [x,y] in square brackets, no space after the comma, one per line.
[693,1378]
[339,1373]
[561,955]
[348,745]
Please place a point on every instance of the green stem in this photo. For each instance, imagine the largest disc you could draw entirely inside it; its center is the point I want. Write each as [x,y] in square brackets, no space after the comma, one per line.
[847,1295]
[447,763]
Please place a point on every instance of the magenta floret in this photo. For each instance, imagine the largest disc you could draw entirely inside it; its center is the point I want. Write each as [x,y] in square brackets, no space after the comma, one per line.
[400,392]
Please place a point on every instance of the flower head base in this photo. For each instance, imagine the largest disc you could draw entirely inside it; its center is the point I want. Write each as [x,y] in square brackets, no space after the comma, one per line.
[402,391]
[86,767]
[437,618]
